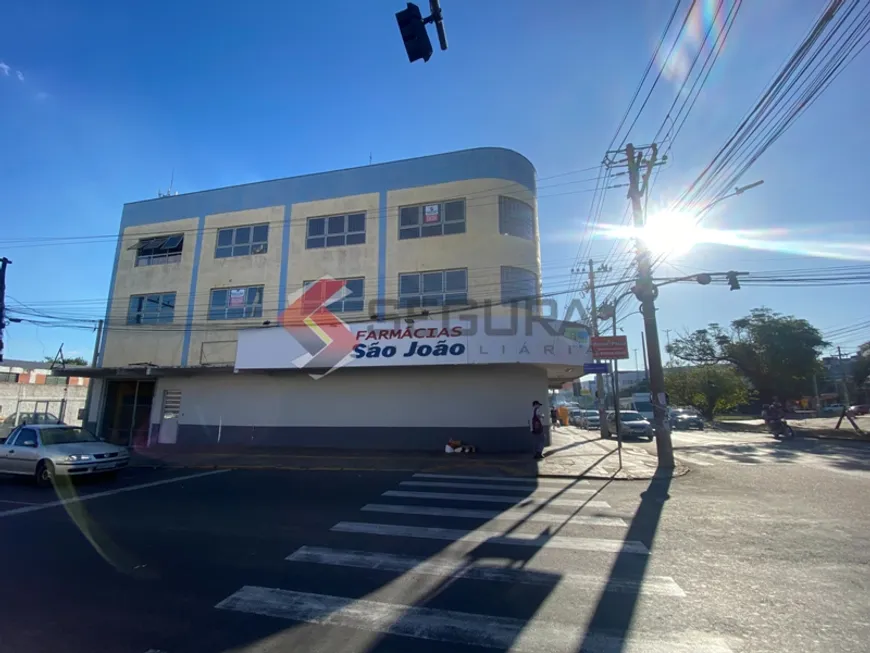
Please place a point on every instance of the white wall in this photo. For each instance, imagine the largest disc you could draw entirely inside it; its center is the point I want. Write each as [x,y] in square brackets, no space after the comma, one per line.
[464,396]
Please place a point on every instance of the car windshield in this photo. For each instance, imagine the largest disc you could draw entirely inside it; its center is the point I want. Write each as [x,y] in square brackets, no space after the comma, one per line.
[67,435]
[630,416]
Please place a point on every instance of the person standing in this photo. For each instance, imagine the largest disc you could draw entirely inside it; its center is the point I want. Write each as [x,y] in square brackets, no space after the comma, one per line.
[538,430]
[554,417]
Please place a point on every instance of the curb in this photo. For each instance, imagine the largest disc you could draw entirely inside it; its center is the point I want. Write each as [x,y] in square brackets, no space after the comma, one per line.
[680,470]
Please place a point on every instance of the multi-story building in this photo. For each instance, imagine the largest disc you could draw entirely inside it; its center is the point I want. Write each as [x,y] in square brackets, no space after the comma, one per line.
[193,351]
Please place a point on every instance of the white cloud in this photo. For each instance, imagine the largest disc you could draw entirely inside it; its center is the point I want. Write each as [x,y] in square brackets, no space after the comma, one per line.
[19,75]
[4,68]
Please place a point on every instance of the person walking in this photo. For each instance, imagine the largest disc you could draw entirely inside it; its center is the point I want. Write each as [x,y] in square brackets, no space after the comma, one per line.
[554,417]
[537,425]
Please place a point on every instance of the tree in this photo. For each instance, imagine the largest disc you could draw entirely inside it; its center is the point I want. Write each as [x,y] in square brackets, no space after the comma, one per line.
[75,360]
[711,389]
[777,354]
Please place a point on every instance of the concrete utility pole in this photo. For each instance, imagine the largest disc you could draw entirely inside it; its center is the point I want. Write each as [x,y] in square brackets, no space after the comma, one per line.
[3,263]
[638,184]
[599,378]
[843,378]
[90,394]
[643,346]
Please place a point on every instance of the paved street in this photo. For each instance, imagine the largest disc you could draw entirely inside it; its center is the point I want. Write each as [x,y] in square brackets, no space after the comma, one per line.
[762,557]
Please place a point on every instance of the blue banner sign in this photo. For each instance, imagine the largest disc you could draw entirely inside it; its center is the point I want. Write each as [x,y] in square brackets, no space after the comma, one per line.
[596,368]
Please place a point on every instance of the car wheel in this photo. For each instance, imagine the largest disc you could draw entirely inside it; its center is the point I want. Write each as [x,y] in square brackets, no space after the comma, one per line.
[44,473]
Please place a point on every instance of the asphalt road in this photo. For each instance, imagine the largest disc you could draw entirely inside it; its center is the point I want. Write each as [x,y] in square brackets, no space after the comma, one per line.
[732,557]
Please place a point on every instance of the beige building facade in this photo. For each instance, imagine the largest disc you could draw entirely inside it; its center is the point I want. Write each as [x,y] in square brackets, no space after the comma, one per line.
[422,237]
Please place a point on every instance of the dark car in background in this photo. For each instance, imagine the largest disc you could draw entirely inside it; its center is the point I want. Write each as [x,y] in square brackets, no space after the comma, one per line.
[686,418]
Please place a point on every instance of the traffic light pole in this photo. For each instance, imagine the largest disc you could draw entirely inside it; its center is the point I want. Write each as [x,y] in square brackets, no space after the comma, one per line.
[599,378]
[637,187]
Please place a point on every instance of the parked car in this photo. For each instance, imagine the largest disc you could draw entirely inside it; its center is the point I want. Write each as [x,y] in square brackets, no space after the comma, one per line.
[685,418]
[44,451]
[14,420]
[860,409]
[586,419]
[632,424]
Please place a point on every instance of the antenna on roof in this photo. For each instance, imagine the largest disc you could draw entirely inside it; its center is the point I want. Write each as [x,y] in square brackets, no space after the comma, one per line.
[169,192]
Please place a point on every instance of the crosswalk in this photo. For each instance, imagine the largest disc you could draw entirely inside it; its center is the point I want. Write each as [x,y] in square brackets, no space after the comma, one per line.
[423,531]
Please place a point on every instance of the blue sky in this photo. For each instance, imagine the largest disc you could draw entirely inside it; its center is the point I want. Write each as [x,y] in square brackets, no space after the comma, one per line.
[111,99]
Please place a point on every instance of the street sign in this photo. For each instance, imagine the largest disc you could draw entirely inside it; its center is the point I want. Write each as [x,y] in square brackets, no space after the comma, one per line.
[609,347]
[596,368]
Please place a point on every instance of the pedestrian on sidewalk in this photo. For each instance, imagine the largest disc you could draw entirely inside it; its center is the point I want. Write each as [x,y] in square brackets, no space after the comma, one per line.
[537,425]
[554,417]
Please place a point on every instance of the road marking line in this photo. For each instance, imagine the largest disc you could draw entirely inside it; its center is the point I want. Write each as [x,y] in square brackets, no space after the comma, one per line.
[488,486]
[529,500]
[502,633]
[534,482]
[107,493]
[525,515]
[482,570]
[493,537]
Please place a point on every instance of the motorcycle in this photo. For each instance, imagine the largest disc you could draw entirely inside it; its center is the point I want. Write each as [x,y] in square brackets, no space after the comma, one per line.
[780,429]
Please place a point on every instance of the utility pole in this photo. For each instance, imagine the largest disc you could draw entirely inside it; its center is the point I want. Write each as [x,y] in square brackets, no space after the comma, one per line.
[636,367]
[3,263]
[816,394]
[599,378]
[640,168]
[843,378]
[645,368]
[90,393]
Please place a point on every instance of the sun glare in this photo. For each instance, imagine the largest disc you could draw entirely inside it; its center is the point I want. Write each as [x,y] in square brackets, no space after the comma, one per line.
[671,233]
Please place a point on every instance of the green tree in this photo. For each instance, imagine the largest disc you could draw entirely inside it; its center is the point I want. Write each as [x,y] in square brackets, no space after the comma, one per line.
[711,389]
[777,354]
[75,360]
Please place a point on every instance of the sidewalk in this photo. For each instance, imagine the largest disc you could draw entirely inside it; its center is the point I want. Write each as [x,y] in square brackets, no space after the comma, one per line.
[574,454]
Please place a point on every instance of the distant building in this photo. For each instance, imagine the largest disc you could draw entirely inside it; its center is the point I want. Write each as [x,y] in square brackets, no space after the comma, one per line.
[28,387]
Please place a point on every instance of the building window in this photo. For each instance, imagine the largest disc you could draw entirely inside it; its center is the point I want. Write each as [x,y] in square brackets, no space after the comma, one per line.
[353,301]
[56,380]
[336,231]
[433,289]
[9,377]
[235,303]
[158,308]
[242,241]
[517,284]
[515,218]
[159,251]
[432,220]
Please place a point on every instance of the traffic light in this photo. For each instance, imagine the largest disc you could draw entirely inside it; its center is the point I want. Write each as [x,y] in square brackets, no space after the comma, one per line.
[413,29]
[733,281]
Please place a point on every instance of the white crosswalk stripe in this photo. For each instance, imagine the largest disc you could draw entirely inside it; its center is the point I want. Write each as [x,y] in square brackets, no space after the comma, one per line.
[518,504]
[528,515]
[507,480]
[504,633]
[491,486]
[526,500]
[480,570]
[494,537]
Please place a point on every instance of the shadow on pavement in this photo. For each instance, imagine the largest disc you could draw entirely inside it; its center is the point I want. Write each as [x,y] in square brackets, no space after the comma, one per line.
[842,455]
[614,612]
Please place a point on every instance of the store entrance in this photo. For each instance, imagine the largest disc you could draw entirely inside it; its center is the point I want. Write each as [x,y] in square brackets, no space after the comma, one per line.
[127,412]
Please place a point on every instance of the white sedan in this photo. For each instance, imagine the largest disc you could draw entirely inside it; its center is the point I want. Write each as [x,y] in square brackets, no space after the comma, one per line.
[44,451]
